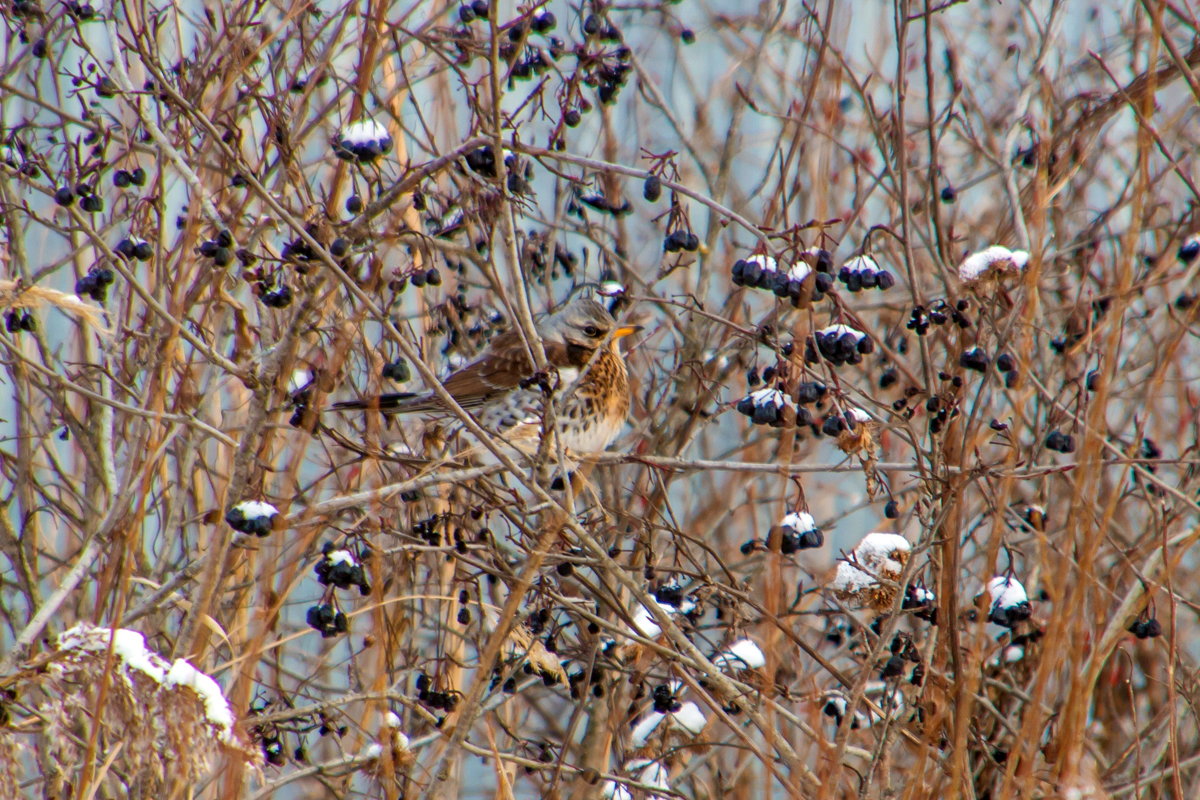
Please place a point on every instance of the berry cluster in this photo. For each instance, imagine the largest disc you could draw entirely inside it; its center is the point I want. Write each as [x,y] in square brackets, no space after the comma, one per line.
[604,205]
[218,249]
[766,407]
[763,272]
[79,10]
[681,240]
[131,248]
[664,698]
[939,313]
[1010,603]
[863,272]
[362,142]
[430,276]
[838,344]
[327,620]
[17,321]
[1060,442]
[397,371]
[1189,249]
[902,652]
[427,529]
[279,297]
[340,569]
[469,12]
[123,178]
[848,420]
[1146,628]
[95,284]
[446,701]
[88,201]
[252,516]
[799,531]
[483,161]
[974,359]
[921,600]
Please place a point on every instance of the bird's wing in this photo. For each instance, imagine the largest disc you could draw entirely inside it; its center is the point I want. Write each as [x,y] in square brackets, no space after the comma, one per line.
[500,369]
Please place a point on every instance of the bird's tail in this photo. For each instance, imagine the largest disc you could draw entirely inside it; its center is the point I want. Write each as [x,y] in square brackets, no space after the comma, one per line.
[392,402]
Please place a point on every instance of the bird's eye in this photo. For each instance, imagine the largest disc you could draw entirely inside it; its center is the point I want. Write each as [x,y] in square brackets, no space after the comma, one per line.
[591,331]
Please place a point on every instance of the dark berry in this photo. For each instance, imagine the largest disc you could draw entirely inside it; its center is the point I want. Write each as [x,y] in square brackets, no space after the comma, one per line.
[948,194]
[354,204]
[652,188]
[64,196]
[687,36]
[339,248]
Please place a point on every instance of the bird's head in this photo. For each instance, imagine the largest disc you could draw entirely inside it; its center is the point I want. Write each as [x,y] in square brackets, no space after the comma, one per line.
[584,323]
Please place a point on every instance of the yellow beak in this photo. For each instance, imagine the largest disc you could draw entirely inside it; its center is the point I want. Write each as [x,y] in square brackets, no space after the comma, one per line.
[626,330]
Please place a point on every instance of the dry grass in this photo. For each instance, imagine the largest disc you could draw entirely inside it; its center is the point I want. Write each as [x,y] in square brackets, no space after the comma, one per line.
[507,625]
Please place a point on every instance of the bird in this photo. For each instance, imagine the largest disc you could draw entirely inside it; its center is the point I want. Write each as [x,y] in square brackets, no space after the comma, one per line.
[506,395]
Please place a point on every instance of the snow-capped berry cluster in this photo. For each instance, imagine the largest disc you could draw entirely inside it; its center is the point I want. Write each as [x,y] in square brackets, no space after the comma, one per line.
[341,569]
[879,556]
[686,718]
[838,344]
[766,407]
[922,601]
[326,619]
[362,141]
[1010,603]
[1189,249]
[835,704]
[799,532]
[671,603]
[95,284]
[848,420]
[794,282]
[863,272]
[252,516]
[741,655]
[995,261]
[645,772]
[609,285]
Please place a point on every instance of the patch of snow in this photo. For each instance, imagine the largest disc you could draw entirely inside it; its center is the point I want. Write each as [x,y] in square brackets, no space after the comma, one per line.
[743,654]
[873,557]
[1006,592]
[255,509]
[840,330]
[993,259]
